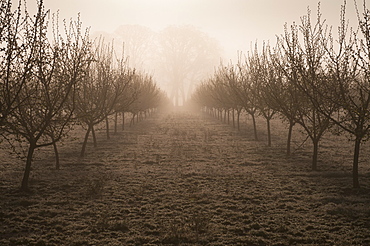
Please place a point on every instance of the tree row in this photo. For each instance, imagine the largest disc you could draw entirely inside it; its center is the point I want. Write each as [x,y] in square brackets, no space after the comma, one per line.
[51,80]
[308,78]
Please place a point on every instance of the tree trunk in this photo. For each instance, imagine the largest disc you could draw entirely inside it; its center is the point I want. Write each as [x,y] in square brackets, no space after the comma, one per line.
[291,124]
[57,163]
[27,171]
[268,132]
[238,119]
[228,117]
[56,153]
[254,127]
[115,122]
[123,121]
[107,126]
[85,141]
[315,154]
[132,120]
[233,115]
[94,136]
[356,155]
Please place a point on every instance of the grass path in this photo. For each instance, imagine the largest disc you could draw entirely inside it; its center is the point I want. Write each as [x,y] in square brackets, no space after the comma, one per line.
[181,179]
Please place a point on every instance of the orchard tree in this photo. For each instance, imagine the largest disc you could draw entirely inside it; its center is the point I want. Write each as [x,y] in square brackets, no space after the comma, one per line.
[17,50]
[99,92]
[41,115]
[246,88]
[262,74]
[305,70]
[202,96]
[126,98]
[233,79]
[147,96]
[282,95]
[222,80]
[348,84]
[219,97]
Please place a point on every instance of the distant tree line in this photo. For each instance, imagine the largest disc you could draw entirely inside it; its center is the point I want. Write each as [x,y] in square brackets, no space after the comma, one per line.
[48,85]
[308,78]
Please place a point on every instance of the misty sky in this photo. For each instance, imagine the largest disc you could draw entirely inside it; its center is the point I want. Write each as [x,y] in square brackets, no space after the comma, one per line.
[235,23]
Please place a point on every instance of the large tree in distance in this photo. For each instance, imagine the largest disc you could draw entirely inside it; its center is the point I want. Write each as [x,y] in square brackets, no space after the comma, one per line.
[177,56]
[134,42]
[138,45]
[185,55]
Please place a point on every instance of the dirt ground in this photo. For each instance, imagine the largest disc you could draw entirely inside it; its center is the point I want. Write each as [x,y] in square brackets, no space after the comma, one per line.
[183,178]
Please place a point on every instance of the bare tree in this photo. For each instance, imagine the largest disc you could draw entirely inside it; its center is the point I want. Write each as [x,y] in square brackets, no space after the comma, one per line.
[233,79]
[138,45]
[262,73]
[99,92]
[247,87]
[40,117]
[305,70]
[148,96]
[128,96]
[203,97]
[226,80]
[283,96]
[16,60]
[348,84]
[185,55]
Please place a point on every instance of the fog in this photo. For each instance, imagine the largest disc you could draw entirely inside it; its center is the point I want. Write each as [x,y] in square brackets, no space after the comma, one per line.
[236,25]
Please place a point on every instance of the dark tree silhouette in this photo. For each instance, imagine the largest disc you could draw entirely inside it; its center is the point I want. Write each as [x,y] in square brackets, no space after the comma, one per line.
[102,87]
[305,66]
[348,83]
[41,115]
[185,55]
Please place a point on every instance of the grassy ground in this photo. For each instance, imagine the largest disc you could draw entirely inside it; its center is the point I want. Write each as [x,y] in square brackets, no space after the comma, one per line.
[186,179]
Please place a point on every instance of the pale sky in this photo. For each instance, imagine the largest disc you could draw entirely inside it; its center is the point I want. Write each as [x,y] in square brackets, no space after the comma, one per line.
[235,23]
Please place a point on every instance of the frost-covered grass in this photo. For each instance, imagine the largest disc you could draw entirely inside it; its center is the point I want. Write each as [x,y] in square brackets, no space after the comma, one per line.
[185,179]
